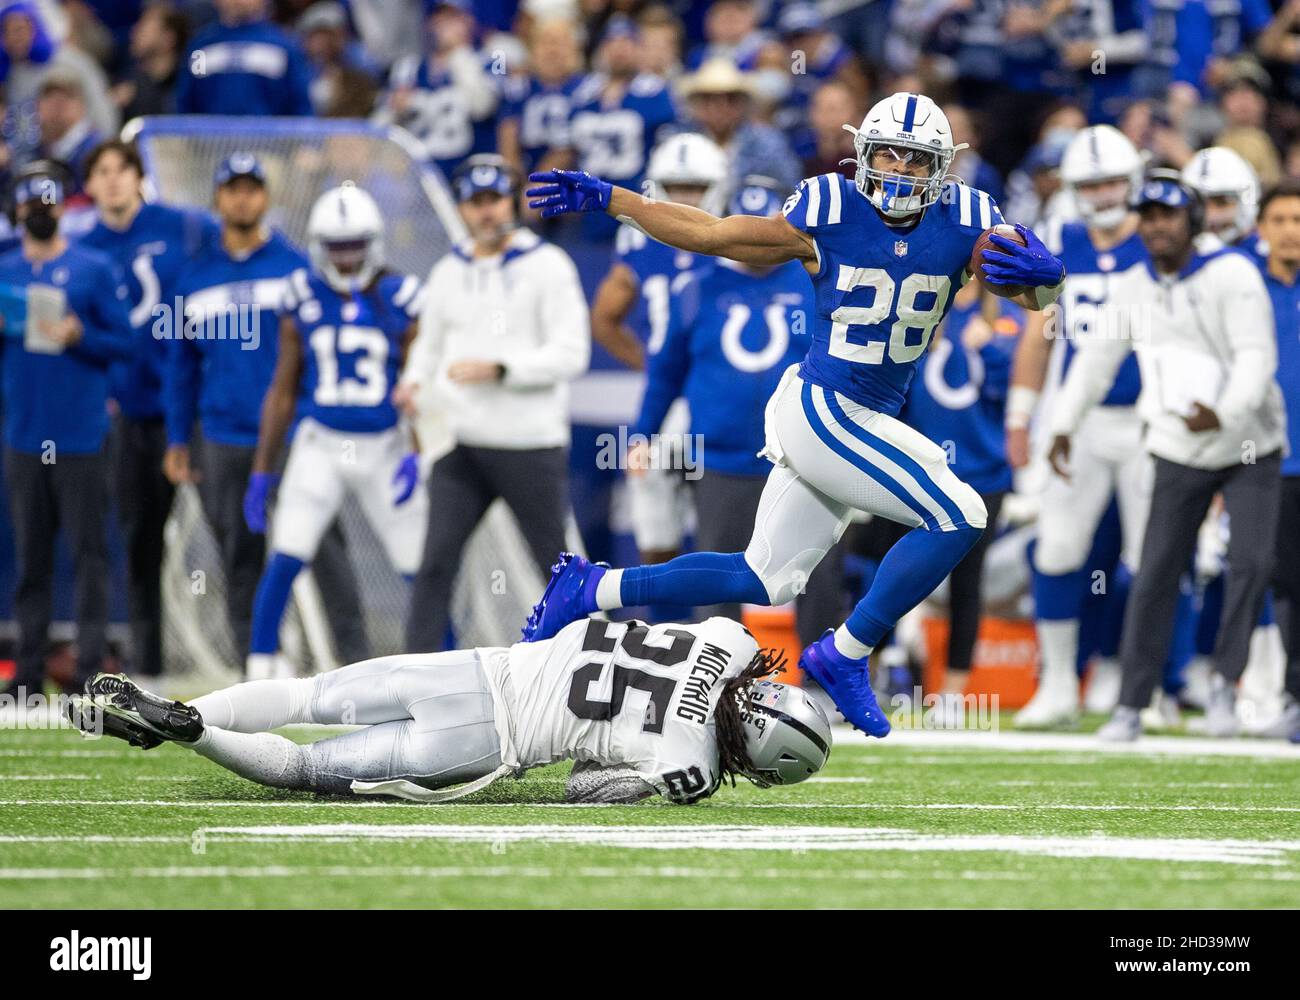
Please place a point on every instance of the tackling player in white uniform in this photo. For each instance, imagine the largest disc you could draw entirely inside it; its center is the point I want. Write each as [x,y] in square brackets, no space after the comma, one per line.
[345,332]
[1102,169]
[629,318]
[672,710]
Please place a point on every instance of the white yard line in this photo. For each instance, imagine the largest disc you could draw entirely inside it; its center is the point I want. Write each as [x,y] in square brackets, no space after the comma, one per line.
[1011,741]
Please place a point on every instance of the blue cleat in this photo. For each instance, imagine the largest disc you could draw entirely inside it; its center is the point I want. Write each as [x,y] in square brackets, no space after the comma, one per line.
[847,682]
[570,595]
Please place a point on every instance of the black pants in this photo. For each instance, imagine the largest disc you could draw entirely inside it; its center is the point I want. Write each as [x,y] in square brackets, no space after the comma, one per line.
[462,485]
[1179,501]
[225,470]
[726,507]
[144,500]
[69,494]
[965,582]
[1286,579]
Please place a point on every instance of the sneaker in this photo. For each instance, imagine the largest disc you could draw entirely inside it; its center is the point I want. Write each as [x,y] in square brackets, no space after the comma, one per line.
[115,706]
[1221,709]
[848,682]
[570,595]
[1125,726]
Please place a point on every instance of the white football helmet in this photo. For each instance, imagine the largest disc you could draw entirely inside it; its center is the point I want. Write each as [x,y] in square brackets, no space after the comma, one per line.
[1095,154]
[913,127]
[691,158]
[345,237]
[1219,172]
[787,734]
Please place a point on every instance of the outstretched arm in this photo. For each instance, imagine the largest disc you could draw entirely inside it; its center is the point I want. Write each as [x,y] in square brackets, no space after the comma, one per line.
[748,239]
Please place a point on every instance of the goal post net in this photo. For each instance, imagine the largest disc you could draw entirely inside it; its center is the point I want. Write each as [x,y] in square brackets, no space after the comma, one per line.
[303,158]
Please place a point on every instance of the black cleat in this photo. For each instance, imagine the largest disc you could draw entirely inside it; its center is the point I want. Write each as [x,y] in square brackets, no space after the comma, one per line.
[114,706]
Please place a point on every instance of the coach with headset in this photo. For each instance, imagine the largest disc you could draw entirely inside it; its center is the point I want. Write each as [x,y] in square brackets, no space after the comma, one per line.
[503,330]
[1201,322]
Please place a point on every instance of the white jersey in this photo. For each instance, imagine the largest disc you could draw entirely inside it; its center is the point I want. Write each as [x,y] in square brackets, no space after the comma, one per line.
[620,693]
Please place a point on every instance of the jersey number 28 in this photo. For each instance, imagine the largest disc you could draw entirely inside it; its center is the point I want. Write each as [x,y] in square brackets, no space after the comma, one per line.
[908,316]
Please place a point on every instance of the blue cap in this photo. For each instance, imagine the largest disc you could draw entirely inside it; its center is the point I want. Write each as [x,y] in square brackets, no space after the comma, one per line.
[756,196]
[487,174]
[38,187]
[239,165]
[619,26]
[800,17]
[1163,191]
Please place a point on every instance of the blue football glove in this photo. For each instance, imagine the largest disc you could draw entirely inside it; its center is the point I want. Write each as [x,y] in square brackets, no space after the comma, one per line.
[406,478]
[260,485]
[564,191]
[1012,264]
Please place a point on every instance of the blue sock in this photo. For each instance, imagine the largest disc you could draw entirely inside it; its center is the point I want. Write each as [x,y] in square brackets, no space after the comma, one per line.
[1059,596]
[695,579]
[272,598]
[908,574]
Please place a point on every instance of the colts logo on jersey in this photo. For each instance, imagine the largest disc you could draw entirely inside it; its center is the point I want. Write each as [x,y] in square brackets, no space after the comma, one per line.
[900,248]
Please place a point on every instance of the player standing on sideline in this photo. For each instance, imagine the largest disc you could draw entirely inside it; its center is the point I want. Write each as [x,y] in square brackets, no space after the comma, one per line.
[150,243]
[56,385]
[884,253]
[1230,190]
[732,331]
[503,328]
[1103,172]
[225,321]
[688,708]
[1199,317]
[629,318]
[343,337]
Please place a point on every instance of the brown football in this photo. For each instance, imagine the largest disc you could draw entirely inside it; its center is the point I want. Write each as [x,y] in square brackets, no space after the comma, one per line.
[977,259]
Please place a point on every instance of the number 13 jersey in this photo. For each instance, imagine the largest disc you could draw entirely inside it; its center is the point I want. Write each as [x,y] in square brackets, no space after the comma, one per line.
[621,693]
[881,290]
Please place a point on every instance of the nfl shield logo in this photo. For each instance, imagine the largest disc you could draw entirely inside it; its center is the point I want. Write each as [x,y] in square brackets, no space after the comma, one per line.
[900,248]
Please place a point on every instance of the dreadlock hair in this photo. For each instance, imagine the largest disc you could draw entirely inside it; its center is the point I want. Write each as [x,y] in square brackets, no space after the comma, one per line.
[733,755]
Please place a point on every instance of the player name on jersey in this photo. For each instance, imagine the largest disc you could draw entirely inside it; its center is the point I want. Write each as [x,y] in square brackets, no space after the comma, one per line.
[708,669]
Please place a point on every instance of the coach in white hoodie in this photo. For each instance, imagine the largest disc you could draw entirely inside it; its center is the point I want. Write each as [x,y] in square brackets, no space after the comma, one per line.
[1201,322]
[503,330]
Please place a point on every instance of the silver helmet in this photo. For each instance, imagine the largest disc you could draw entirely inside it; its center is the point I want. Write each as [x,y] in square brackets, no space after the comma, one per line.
[787,734]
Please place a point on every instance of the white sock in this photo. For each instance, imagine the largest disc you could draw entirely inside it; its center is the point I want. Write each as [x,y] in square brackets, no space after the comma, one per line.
[609,592]
[848,645]
[259,666]
[262,757]
[256,706]
[1058,648]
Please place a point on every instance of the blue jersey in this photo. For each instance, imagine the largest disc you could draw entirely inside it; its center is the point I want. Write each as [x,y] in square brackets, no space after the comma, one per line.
[224,340]
[959,397]
[542,112]
[439,116]
[881,290]
[245,69]
[61,398]
[731,336]
[351,349]
[1087,281]
[614,140]
[1286,316]
[1187,34]
[656,265]
[152,250]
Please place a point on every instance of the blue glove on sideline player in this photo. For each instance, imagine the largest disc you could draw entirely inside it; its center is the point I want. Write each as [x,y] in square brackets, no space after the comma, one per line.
[260,485]
[406,478]
[564,191]
[1012,264]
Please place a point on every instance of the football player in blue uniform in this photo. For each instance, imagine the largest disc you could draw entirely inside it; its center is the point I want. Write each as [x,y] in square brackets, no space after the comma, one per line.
[343,338]
[629,318]
[150,243]
[885,252]
[1102,171]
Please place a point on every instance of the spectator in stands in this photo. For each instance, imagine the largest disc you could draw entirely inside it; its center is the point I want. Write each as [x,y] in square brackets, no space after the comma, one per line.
[825,143]
[969,165]
[56,383]
[721,102]
[503,329]
[150,244]
[222,351]
[390,30]
[533,133]
[1105,46]
[810,56]
[731,32]
[342,86]
[67,135]
[1244,103]
[28,53]
[661,42]
[244,65]
[448,98]
[157,43]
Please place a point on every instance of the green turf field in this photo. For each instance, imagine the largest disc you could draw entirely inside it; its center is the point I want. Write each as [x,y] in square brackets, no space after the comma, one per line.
[905,822]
